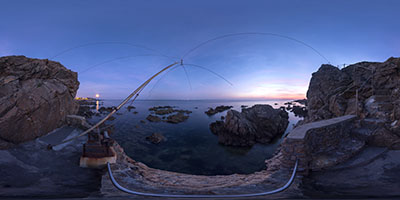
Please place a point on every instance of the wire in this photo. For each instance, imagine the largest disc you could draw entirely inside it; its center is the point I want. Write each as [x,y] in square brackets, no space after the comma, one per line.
[102,43]
[187,76]
[254,33]
[114,59]
[193,65]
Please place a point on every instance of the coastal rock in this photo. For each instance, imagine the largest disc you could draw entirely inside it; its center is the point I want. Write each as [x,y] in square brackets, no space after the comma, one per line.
[257,124]
[300,111]
[35,97]
[107,109]
[212,111]
[155,138]
[332,92]
[177,118]
[153,118]
[129,108]
[368,89]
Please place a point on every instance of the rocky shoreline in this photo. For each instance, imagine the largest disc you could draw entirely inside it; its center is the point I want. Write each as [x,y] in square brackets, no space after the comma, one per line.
[347,146]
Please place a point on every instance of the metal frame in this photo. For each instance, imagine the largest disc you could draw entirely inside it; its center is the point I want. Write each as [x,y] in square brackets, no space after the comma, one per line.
[119,187]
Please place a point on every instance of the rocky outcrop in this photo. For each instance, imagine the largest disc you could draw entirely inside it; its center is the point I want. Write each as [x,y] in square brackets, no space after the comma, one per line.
[177,118]
[155,138]
[368,89]
[299,111]
[258,124]
[212,111]
[153,118]
[35,97]
[332,92]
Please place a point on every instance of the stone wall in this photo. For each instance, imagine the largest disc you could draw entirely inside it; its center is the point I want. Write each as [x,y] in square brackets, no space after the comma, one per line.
[317,145]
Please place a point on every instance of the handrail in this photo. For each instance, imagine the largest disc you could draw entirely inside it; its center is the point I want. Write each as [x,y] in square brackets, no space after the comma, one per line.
[119,187]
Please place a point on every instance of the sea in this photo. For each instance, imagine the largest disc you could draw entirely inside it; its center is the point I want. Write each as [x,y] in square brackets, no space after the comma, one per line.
[190,147]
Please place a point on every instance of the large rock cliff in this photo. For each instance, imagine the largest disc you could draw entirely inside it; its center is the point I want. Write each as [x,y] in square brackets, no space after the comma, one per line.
[35,97]
[332,92]
[370,90]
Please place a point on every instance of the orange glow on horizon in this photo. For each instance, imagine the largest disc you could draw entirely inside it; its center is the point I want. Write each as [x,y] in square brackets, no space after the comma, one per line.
[287,96]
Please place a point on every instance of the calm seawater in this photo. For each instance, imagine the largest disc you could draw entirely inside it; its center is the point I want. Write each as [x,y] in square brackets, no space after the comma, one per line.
[190,146]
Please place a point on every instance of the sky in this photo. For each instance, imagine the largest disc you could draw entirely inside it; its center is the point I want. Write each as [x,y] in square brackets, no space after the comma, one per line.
[117,45]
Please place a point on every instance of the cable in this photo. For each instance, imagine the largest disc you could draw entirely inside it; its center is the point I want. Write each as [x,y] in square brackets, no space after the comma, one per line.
[101,43]
[253,33]
[114,59]
[193,65]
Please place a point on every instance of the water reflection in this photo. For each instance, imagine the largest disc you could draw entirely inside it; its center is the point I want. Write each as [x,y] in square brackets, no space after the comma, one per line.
[97,105]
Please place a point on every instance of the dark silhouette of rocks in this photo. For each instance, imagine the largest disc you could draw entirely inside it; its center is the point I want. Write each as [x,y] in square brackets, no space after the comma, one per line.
[155,138]
[106,109]
[257,124]
[153,118]
[301,101]
[130,108]
[35,97]
[218,109]
[164,111]
[299,111]
[177,118]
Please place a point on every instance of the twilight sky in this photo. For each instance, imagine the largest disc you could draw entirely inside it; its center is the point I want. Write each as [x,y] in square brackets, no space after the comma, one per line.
[119,44]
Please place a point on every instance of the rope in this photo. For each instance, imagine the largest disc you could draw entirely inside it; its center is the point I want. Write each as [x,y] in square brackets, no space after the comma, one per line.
[119,187]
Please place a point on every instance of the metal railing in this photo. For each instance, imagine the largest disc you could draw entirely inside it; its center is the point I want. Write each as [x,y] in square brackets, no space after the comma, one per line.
[119,187]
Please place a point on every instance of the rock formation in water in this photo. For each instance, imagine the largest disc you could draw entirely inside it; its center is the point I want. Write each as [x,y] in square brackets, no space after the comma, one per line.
[257,124]
[35,97]
[217,109]
[155,138]
[153,118]
[177,118]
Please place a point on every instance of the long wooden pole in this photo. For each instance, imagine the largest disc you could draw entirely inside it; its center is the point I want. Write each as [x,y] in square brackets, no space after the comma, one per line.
[50,146]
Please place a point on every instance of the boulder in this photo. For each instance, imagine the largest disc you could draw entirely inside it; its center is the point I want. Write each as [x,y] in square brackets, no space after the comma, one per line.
[35,97]
[153,118]
[177,118]
[155,138]
[212,111]
[257,124]
[300,111]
